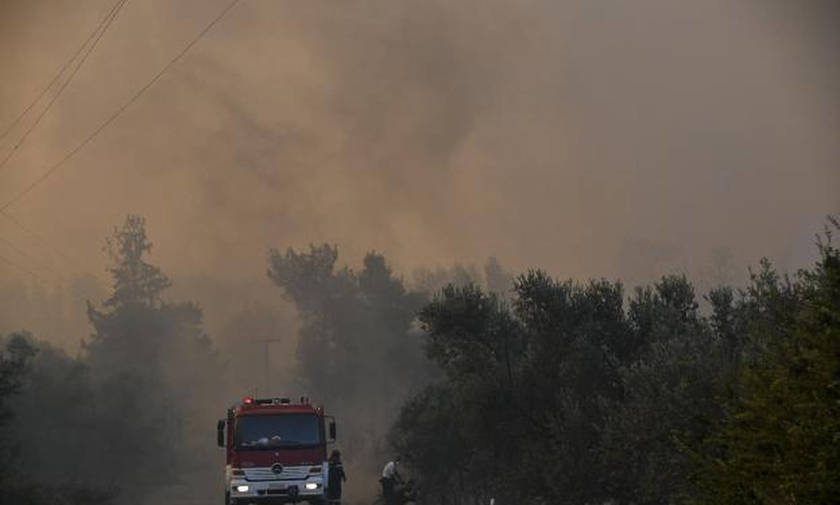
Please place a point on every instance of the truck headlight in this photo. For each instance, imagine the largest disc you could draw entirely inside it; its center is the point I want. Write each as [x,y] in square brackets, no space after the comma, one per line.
[242,489]
[311,486]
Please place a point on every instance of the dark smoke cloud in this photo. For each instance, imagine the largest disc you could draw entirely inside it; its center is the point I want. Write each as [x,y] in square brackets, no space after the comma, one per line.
[560,134]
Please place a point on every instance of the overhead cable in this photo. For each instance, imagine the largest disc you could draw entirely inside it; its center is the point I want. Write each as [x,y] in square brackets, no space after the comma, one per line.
[100,32]
[57,76]
[119,111]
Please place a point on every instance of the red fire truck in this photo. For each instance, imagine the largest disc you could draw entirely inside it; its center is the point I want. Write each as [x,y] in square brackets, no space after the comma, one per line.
[276,451]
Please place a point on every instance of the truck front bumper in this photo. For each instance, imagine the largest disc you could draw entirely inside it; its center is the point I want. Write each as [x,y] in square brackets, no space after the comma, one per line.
[268,492]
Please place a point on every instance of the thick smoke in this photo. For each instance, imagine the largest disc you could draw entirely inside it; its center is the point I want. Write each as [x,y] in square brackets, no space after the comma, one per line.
[590,138]
[551,133]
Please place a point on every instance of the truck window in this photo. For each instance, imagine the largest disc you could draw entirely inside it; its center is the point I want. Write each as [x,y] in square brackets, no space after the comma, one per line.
[272,431]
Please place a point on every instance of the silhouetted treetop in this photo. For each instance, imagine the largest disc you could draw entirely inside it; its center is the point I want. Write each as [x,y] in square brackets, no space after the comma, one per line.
[134,280]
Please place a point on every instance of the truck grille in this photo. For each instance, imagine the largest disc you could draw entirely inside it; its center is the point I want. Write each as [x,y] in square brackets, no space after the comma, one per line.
[288,473]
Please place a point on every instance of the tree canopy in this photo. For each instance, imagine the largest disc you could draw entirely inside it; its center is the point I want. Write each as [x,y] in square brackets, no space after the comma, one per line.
[569,392]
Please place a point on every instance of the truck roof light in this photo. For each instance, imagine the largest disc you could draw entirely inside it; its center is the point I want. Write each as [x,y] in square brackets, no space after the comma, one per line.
[248,400]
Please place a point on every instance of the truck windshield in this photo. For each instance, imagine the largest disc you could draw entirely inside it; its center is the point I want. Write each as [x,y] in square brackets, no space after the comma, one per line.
[273,431]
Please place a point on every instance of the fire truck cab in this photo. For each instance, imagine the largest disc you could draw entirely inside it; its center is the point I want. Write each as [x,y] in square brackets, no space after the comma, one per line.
[275,451]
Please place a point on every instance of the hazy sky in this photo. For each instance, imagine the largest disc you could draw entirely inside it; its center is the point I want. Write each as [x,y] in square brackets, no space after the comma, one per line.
[572,135]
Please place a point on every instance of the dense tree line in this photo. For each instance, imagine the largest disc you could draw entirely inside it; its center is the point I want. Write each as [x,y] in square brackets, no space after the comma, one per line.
[570,393]
[779,441]
[359,345]
[527,390]
[112,422]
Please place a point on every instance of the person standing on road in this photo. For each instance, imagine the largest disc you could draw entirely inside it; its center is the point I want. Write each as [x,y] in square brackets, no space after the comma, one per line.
[390,477]
[336,477]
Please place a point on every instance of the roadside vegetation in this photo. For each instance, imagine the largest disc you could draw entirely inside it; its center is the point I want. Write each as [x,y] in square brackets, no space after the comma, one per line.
[573,393]
[525,389]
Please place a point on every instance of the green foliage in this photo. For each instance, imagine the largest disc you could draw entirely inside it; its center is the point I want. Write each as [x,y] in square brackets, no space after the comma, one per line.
[780,443]
[438,439]
[570,394]
[524,384]
[465,446]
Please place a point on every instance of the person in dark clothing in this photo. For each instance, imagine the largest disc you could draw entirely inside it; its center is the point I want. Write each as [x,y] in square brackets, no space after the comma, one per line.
[336,477]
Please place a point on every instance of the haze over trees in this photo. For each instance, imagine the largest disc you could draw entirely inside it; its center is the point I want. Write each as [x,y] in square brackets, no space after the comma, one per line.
[527,390]
[358,351]
[110,419]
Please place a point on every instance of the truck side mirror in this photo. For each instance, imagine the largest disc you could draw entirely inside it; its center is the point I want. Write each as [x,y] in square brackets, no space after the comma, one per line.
[220,433]
[332,430]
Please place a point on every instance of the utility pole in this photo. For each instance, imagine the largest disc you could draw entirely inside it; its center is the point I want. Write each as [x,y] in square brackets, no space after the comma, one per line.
[266,342]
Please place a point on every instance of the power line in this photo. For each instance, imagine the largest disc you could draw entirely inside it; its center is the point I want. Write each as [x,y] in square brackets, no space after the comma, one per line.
[43,92]
[3,209]
[119,111]
[101,32]
[55,79]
